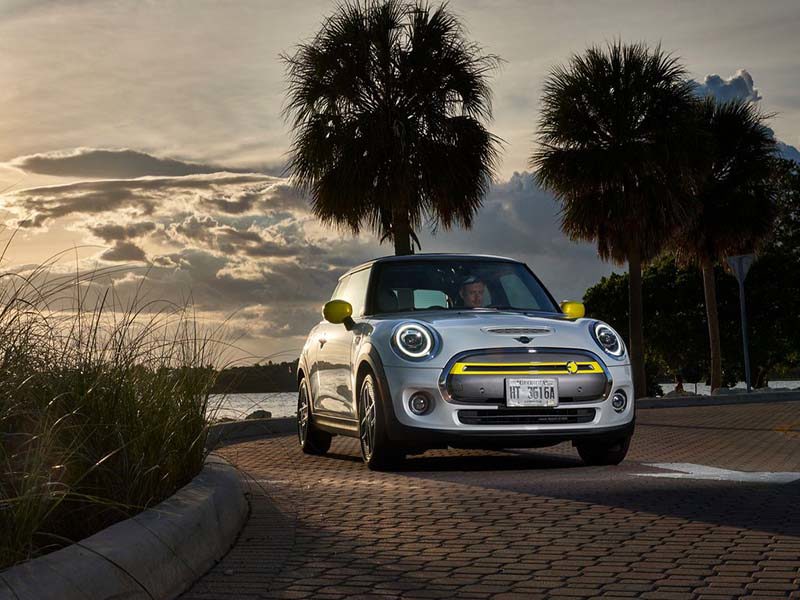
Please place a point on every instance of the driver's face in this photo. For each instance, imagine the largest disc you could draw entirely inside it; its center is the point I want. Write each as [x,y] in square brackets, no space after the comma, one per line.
[472,294]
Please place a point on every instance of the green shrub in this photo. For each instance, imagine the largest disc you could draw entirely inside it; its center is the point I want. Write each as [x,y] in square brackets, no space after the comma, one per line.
[103,407]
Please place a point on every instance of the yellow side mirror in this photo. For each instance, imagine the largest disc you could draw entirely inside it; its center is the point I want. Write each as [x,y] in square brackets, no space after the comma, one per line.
[337,311]
[573,310]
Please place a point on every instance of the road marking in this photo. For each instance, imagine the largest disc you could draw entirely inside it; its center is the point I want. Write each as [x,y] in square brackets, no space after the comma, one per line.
[692,471]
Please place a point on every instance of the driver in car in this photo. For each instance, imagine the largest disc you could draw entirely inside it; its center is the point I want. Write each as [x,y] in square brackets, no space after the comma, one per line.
[471,292]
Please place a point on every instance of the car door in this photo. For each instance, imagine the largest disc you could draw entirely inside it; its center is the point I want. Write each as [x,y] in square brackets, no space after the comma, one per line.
[335,345]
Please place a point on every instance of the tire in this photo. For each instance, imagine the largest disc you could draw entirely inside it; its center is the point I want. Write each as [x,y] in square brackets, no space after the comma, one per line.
[312,440]
[376,452]
[600,453]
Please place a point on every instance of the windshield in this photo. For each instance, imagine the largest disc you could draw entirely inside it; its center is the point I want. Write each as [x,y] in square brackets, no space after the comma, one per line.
[457,285]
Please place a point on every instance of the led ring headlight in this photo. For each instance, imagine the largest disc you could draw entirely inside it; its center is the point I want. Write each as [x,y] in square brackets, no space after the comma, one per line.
[413,341]
[608,340]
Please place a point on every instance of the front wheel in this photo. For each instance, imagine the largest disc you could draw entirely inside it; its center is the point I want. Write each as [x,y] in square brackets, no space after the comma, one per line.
[375,449]
[598,453]
[312,440]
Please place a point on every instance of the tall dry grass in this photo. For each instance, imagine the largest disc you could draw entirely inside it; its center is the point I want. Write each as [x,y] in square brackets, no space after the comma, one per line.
[103,405]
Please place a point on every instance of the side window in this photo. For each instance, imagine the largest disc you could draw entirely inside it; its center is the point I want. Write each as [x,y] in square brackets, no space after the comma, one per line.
[356,290]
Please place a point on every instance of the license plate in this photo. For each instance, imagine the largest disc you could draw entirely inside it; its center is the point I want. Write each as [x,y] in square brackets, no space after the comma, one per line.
[531,392]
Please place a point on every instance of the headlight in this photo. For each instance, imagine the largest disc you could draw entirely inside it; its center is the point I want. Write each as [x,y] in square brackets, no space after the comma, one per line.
[608,340]
[414,341]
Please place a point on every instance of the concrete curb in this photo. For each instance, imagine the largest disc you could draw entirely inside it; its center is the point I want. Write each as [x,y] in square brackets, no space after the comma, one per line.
[231,432]
[157,554]
[721,400]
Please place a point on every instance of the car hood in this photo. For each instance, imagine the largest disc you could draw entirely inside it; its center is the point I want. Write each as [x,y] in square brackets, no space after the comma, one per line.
[469,317]
[459,331]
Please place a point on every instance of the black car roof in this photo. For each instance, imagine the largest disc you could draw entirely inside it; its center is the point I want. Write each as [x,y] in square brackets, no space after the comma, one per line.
[424,257]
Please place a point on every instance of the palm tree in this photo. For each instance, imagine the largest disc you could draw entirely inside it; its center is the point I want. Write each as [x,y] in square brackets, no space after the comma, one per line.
[613,126]
[735,198]
[388,104]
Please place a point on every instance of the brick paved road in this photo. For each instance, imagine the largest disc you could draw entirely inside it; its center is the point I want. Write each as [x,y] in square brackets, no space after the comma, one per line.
[526,524]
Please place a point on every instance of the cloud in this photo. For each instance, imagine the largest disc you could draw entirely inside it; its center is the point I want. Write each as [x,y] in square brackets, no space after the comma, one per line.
[788,152]
[37,206]
[225,284]
[282,196]
[247,243]
[231,240]
[111,164]
[521,220]
[150,196]
[270,237]
[198,229]
[785,150]
[124,252]
[737,87]
[277,321]
[740,87]
[237,204]
[112,232]
[277,276]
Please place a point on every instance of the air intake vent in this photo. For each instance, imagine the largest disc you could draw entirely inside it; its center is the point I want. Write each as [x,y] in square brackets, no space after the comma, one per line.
[529,416]
[518,330]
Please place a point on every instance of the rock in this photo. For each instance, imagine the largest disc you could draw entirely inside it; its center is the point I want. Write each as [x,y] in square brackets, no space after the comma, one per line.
[259,414]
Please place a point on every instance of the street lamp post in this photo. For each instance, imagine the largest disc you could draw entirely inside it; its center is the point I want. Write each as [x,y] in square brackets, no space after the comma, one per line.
[740,265]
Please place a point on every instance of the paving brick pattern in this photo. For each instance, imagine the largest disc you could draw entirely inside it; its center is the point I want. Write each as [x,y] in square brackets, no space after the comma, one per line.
[527,523]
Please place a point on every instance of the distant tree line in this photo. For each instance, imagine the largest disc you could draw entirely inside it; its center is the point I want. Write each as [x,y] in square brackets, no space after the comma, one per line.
[255,379]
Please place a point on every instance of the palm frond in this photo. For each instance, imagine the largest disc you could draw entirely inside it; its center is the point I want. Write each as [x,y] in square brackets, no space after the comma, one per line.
[388,106]
[734,193]
[613,125]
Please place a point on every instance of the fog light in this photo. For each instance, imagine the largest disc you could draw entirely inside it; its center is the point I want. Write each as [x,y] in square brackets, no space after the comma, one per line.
[619,400]
[419,403]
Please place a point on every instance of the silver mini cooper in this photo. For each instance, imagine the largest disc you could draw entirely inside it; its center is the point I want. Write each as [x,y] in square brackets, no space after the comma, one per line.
[435,351]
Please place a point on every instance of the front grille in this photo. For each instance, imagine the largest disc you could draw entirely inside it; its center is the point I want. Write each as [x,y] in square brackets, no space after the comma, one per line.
[479,377]
[527,416]
[540,368]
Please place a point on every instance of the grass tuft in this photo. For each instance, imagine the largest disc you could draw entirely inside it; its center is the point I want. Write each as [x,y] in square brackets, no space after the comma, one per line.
[104,406]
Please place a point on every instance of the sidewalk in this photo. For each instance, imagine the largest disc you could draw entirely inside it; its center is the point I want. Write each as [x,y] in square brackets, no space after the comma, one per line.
[526,523]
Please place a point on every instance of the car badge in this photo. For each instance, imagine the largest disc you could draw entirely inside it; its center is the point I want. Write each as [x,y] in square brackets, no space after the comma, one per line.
[523,339]
[572,367]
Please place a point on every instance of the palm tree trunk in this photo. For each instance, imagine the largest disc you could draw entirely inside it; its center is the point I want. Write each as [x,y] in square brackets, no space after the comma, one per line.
[710,291]
[401,230]
[635,322]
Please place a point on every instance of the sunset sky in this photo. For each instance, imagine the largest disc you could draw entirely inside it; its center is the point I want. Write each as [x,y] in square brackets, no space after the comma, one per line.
[149,134]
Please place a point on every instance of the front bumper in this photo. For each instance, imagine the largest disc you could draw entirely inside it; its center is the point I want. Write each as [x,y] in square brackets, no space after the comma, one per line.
[422,438]
[445,424]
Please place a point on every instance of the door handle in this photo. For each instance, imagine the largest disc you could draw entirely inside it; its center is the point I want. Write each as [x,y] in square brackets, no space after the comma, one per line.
[322,342]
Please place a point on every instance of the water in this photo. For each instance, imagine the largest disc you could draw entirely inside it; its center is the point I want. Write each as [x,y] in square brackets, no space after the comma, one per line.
[238,406]
[284,404]
[705,389]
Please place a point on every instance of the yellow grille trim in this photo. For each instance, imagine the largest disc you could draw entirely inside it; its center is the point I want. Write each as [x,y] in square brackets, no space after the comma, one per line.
[542,368]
